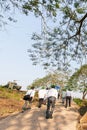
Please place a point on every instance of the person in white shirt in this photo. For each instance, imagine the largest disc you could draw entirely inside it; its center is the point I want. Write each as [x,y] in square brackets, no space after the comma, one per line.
[41,95]
[29,96]
[51,100]
[68,98]
[63,95]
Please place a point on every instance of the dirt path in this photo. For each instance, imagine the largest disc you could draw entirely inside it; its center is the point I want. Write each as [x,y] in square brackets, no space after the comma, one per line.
[34,119]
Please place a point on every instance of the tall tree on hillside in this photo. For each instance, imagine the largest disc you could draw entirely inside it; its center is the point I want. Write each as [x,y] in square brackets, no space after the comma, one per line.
[67,41]
[78,81]
[57,78]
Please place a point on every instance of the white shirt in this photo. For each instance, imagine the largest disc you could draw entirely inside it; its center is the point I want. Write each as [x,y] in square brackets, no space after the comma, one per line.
[42,93]
[30,92]
[68,93]
[63,94]
[52,92]
[45,97]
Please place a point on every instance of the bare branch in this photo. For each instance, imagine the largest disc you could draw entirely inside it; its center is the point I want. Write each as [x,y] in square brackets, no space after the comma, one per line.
[79,29]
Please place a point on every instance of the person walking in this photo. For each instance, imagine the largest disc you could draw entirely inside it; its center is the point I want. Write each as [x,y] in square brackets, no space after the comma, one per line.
[51,100]
[29,96]
[63,95]
[41,95]
[68,98]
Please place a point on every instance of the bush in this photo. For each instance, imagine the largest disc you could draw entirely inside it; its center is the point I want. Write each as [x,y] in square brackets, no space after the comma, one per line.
[78,101]
[83,106]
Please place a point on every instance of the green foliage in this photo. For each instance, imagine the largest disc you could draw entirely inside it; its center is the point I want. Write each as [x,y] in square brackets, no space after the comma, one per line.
[78,101]
[80,10]
[83,105]
[7,8]
[59,48]
[10,94]
[76,4]
[78,81]
[66,45]
[57,78]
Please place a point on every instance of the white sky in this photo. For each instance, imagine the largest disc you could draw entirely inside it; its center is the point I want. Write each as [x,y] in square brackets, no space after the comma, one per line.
[15,64]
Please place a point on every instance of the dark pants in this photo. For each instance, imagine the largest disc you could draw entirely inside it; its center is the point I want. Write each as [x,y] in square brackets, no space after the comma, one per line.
[68,101]
[27,104]
[50,106]
[41,100]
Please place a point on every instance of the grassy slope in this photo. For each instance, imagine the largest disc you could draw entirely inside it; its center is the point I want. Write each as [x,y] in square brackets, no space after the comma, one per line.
[10,101]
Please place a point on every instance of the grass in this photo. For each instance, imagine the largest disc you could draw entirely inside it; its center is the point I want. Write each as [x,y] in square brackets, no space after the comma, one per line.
[10,101]
[10,94]
[82,104]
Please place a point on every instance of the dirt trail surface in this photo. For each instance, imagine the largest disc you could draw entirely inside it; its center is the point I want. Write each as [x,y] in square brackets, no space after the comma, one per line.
[34,119]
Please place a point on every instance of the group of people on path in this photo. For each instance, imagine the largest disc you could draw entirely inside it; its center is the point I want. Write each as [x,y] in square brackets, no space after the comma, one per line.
[47,97]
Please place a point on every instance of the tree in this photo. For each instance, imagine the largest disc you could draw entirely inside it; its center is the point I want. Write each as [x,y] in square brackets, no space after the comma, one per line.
[7,10]
[9,7]
[66,42]
[78,81]
[56,78]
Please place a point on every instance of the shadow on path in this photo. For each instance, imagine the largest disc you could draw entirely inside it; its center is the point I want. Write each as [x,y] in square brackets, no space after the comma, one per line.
[34,119]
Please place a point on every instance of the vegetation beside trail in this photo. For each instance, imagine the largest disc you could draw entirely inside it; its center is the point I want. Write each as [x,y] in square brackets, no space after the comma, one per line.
[11,101]
[82,104]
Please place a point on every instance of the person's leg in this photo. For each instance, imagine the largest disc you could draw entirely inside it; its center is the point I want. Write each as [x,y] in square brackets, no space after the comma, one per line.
[40,102]
[25,105]
[66,101]
[70,101]
[30,102]
[52,106]
[48,108]
[62,100]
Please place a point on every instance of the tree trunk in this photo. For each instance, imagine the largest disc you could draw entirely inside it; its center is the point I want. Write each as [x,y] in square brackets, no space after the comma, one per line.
[84,95]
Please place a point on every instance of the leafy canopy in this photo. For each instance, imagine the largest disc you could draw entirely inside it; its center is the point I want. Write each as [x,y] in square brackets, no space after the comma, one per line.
[57,47]
[78,81]
[54,47]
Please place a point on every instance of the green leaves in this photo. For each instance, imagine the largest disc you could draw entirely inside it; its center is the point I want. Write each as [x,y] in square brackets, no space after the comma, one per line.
[79,80]
[80,10]
[57,5]
[76,4]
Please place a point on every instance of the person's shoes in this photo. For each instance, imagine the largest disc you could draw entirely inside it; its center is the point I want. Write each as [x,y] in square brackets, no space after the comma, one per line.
[47,114]
[22,111]
[51,116]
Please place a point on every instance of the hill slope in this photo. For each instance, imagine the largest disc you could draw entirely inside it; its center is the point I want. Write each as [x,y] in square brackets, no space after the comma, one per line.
[10,101]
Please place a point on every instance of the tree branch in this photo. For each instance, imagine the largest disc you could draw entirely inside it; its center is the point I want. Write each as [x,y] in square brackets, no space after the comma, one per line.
[79,29]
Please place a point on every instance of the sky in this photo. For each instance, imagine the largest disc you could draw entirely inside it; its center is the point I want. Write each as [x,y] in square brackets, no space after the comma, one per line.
[15,40]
